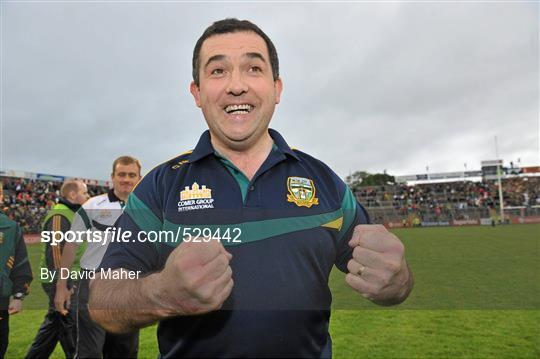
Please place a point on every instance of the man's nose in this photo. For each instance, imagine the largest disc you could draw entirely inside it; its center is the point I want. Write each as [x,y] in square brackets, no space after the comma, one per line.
[237,84]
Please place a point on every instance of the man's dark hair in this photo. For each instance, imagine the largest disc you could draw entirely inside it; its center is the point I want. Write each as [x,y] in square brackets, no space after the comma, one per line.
[228,26]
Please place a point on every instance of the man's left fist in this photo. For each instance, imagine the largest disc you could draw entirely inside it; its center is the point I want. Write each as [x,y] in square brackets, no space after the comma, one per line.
[378,270]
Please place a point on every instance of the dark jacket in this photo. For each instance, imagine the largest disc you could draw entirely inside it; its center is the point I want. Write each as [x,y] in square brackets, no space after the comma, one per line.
[15,271]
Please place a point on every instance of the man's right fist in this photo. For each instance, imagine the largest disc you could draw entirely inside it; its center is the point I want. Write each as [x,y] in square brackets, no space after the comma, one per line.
[196,279]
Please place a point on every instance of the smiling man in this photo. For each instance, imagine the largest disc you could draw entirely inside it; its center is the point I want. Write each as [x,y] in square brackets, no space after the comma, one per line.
[260,225]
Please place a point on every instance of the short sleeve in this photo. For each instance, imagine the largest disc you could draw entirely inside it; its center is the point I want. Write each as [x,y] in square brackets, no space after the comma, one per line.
[136,254]
[353,214]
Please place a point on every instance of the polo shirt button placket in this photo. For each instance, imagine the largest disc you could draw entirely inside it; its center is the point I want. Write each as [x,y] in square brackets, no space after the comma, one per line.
[250,199]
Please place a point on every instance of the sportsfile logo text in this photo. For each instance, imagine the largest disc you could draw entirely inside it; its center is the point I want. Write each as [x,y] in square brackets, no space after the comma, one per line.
[111,234]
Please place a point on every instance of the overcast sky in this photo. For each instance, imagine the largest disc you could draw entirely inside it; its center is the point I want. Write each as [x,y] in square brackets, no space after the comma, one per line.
[367,86]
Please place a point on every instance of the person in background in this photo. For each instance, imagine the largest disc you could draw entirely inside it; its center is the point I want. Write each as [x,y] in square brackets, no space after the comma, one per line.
[56,327]
[98,214]
[15,273]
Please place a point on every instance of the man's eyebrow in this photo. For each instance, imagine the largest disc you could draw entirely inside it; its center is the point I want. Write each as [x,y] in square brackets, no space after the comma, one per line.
[255,55]
[250,55]
[214,58]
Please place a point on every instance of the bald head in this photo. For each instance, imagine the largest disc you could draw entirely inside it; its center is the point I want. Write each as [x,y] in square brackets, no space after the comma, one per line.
[74,191]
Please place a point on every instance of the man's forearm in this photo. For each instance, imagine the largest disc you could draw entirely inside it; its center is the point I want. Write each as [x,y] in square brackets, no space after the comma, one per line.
[66,261]
[121,306]
[196,279]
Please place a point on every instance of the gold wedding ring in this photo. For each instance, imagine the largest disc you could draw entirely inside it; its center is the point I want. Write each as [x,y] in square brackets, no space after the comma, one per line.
[360,270]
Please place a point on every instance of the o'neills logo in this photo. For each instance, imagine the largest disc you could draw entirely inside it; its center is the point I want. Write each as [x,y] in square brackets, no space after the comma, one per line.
[196,197]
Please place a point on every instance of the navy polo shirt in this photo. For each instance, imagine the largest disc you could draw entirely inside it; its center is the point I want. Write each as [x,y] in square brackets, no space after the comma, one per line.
[286,228]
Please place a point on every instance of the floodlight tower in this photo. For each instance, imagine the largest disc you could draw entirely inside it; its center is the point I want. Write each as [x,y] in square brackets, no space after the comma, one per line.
[499,170]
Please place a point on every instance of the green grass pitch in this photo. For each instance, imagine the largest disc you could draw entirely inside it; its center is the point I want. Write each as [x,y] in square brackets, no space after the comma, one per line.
[476,295]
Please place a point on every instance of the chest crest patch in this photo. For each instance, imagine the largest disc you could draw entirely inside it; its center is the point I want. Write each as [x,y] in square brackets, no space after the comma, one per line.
[301,192]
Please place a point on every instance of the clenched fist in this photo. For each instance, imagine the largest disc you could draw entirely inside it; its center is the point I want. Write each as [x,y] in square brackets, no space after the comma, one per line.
[196,279]
[378,270]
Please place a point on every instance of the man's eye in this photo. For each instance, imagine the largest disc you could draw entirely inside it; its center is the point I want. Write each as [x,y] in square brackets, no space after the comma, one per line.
[255,69]
[217,72]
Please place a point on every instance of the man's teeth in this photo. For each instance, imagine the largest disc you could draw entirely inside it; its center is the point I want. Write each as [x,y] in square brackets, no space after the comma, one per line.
[239,109]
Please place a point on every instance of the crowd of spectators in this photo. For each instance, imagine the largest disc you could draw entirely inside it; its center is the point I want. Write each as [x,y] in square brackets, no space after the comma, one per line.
[27,201]
[450,200]
[516,192]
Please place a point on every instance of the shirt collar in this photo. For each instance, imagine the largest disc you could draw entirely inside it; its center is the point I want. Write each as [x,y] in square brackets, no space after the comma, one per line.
[204,146]
[73,206]
[281,144]
[112,196]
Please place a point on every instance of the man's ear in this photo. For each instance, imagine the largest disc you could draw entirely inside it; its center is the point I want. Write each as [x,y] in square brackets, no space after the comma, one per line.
[70,196]
[278,85]
[196,92]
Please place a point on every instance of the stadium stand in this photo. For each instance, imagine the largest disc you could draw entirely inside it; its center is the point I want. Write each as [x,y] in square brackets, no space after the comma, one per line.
[27,200]
[459,200]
